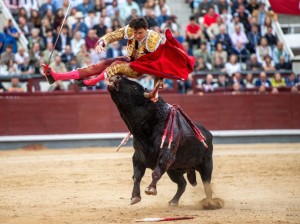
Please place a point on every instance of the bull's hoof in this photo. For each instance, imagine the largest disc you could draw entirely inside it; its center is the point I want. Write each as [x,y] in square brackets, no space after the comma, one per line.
[173,203]
[212,203]
[151,191]
[135,200]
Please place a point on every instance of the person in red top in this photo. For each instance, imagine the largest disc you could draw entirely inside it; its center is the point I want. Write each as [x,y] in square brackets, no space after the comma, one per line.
[193,33]
[210,17]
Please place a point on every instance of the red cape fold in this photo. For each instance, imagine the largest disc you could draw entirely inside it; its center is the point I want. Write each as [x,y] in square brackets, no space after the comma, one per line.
[290,7]
[170,61]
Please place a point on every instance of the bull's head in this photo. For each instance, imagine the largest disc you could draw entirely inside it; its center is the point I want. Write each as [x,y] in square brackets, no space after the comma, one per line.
[127,93]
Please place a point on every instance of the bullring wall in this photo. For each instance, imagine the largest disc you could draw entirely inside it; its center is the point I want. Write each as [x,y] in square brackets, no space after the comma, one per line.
[66,113]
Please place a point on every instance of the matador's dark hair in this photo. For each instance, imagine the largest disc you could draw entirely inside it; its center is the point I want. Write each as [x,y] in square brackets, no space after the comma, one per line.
[138,22]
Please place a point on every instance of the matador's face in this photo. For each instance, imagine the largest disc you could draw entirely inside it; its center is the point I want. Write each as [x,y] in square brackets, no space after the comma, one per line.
[139,34]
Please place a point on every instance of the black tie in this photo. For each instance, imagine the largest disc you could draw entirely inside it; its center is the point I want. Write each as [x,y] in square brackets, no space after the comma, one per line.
[136,45]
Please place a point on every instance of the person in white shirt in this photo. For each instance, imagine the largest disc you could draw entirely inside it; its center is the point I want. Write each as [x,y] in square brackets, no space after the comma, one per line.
[238,37]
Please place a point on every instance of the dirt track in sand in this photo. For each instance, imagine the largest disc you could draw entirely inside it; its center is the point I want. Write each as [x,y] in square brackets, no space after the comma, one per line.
[259,184]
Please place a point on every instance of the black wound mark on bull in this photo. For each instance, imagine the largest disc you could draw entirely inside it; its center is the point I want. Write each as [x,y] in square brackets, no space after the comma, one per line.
[185,151]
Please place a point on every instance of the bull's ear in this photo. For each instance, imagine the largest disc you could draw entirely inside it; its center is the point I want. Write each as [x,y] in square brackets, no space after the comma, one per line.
[146,90]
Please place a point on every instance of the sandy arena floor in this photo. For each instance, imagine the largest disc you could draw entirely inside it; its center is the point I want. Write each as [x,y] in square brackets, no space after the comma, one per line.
[259,184]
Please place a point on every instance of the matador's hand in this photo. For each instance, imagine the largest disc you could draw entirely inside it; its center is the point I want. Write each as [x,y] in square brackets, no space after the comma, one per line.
[100,46]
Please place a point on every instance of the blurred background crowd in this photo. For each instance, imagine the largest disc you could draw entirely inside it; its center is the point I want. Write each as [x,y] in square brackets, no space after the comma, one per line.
[234,41]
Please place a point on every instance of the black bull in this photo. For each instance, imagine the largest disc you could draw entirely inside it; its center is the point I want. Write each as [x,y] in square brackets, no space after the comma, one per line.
[146,121]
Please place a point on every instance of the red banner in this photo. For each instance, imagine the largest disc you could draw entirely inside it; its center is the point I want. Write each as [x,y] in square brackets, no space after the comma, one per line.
[291,7]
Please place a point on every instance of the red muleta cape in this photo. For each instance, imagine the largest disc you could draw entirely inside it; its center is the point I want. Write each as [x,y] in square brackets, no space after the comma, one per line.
[170,61]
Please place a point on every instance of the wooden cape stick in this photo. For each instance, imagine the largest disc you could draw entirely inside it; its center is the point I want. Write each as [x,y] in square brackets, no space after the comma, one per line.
[163,219]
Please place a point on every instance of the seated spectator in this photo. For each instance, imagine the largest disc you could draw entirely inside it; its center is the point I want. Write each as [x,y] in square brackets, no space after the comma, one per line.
[210,17]
[237,88]
[261,14]
[224,39]
[168,84]
[91,39]
[9,68]
[237,78]
[126,9]
[200,65]
[71,19]
[11,35]
[214,29]
[22,59]
[222,81]
[58,65]
[36,19]
[263,81]
[292,80]
[241,52]
[185,46]
[277,81]
[263,50]
[280,52]
[114,50]
[203,53]
[67,56]
[15,85]
[25,26]
[101,28]
[221,5]
[162,5]
[113,8]
[254,38]
[82,56]
[47,52]
[91,19]
[253,64]
[162,17]
[238,37]
[232,66]
[219,64]
[264,28]
[219,52]
[35,55]
[36,38]
[64,39]
[80,25]
[116,24]
[232,25]
[50,37]
[271,38]
[253,6]
[99,5]
[77,42]
[46,25]
[283,65]
[58,18]
[227,17]
[249,81]
[208,84]
[132,15]
[85,7]
[151,19]
[244,16]
[8,54]
[46,6]
[268,64]
[193,33]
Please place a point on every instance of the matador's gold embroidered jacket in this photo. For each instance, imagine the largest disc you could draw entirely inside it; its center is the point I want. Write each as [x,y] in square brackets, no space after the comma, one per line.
[150,44]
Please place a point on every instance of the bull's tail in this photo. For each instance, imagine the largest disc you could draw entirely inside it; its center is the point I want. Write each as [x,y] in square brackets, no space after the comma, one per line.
[191,176]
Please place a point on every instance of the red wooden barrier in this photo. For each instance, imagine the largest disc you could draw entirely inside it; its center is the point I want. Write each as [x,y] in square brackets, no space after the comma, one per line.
[52,113]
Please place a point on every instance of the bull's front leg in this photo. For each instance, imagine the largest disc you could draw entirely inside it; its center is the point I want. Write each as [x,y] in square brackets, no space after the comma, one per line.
[161,167]
[138,173]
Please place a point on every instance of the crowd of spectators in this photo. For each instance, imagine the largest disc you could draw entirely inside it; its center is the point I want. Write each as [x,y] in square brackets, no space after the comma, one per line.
[226,36]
